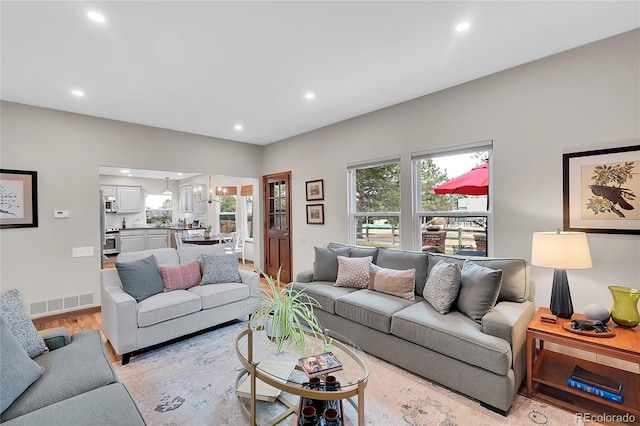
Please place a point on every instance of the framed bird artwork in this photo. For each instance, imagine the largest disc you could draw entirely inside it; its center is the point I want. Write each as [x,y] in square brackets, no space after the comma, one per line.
[601,191]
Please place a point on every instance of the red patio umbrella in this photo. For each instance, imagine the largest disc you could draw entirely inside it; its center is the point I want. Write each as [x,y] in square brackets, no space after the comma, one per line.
[474,182]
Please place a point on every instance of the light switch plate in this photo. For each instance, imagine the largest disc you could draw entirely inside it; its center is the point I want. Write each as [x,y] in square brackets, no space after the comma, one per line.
[81,251]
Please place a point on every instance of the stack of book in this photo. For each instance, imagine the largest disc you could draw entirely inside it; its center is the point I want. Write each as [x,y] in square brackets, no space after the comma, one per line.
[595,384]
[324,363]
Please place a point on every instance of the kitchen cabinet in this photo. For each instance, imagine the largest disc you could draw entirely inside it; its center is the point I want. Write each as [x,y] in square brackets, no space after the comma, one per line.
[157,238]
[108,191]
[129,199]
[186,198]
[132,240]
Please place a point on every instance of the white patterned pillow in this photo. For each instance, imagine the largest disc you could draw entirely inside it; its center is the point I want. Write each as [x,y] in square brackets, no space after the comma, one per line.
[442,286]
[16,319]
[353,271]
[219,269]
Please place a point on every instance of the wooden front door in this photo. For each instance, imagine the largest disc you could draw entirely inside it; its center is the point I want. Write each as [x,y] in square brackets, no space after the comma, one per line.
[277,224]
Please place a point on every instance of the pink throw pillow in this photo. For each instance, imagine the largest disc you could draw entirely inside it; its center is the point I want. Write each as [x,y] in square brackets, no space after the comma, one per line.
[180,277]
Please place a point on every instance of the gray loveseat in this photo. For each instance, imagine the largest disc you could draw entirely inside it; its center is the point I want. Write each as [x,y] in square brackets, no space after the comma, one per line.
[78,386]
[484,359]
[131,325]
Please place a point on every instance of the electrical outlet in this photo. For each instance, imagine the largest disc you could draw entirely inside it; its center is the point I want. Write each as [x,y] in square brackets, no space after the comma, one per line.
[81,251]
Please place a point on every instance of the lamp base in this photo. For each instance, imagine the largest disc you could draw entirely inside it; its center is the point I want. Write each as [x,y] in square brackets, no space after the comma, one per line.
[561,305]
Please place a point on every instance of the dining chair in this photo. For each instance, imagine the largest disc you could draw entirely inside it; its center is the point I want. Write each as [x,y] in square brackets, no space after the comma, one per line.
[228,242]
[239,246]
[177,237]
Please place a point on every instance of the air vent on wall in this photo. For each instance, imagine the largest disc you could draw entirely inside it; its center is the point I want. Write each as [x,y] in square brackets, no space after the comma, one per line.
[57,305]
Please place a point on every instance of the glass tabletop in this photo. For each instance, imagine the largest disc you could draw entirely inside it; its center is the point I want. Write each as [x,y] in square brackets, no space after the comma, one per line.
[285,367]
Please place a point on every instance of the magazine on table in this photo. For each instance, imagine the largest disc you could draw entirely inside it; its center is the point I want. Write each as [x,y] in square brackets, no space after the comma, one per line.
[316,365]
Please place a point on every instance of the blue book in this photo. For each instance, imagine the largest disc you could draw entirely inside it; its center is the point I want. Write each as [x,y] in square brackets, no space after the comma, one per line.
[594,390]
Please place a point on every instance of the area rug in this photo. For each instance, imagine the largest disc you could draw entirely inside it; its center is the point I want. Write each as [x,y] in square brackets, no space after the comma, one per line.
[192,382]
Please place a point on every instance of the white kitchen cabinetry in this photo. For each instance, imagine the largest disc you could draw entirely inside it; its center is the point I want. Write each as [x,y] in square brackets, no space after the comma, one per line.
[157,238]
[108,191]
[129,199]
[186,198]
[132,240]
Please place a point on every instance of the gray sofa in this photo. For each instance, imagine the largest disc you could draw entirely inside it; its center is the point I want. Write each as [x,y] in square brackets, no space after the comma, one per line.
[78,386]
[131,326]
[485,359]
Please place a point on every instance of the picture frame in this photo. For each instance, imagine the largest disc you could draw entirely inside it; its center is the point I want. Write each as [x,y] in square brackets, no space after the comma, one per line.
[315,190]
[18,199]
[601,191]
[315,214]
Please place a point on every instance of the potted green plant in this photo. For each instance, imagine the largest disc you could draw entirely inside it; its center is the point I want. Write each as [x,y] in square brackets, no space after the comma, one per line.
[285,314]
[208,231]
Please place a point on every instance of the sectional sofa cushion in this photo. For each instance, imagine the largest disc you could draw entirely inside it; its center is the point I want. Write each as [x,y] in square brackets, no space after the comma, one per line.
[140,278]
[218,269]
[479,290]
[443,285]
[515,274]
[399,283]
[17,370]
[180,277]
[353,272]
[166,306]
[454,335]
[164,256]
[357,251]
[325,265]
[220,294]
[187,254]
[324,292]
[402,259]
[370,308]
[17,321]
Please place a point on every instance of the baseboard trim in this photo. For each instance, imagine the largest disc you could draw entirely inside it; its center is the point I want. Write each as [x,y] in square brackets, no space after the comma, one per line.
[63,315]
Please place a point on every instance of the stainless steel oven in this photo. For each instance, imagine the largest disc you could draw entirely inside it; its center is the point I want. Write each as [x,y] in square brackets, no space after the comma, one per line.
[111,241]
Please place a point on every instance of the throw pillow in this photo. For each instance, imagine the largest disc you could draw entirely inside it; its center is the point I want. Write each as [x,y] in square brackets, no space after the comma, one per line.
[325,265]
[218,269]
[180,277]
[442,286]
[17,370]
[353,272]
[479,290]
[391,281]
[141,278]
[17,321]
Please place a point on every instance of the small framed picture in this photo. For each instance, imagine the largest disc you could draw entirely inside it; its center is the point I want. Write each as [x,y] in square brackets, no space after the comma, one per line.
[315,190]
[601,191]
[315,214]
[18,199]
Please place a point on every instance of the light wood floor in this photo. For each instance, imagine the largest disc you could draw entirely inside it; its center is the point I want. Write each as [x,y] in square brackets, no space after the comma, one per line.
[91,319]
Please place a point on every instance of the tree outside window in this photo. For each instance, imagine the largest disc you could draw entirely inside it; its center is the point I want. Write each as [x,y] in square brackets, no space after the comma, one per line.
[227,213]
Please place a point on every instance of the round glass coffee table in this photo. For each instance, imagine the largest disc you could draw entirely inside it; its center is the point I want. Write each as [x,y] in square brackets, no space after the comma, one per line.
[265,375]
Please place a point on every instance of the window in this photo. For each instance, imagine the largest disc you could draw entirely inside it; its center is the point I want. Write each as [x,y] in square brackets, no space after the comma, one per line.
[158,208]
[374,204]
[451,205]
[246,191]
[227,213]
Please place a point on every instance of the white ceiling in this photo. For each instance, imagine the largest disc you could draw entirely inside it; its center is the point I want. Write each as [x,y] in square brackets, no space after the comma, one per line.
[204,66]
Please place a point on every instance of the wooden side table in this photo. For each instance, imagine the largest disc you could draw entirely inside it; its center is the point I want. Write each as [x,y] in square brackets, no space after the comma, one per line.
[548,371]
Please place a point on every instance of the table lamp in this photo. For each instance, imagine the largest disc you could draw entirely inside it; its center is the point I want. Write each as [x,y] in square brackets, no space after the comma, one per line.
[561,251]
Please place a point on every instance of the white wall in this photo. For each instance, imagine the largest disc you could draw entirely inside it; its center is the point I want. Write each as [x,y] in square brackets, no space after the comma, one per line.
[66,150]
[582,99]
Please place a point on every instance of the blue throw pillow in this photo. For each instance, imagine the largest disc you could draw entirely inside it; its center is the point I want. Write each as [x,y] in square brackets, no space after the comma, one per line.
[17,321]
[217,269]
[17,370]
[141,278]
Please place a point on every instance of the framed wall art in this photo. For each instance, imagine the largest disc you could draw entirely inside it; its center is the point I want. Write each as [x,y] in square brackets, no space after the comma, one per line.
[315,190]
[601,191]
[18,199]
[315,214]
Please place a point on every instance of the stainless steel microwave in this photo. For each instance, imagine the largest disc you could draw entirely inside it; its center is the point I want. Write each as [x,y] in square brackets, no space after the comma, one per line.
[110,204]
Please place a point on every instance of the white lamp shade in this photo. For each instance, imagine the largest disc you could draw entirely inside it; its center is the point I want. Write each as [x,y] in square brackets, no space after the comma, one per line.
[560,250]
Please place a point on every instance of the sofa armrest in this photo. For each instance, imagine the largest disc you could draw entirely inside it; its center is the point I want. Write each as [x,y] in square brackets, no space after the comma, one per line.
[56,337]
[119,313]
[509,321]
[252,279]
[305,276]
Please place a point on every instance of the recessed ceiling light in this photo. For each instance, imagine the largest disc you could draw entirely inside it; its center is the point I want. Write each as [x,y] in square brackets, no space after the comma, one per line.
[78,93]
[463,26]
[309,96]
[125,171]
[238,127]
[97,17]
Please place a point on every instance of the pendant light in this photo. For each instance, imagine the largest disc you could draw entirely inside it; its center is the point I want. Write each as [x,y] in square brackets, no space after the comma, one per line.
[167,191]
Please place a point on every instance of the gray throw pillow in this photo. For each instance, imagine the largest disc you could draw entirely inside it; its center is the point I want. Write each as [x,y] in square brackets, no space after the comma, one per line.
[479,290]
[17,321]
[442,286]
[325,265]
[141,278]
[218,269]
[17,370]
